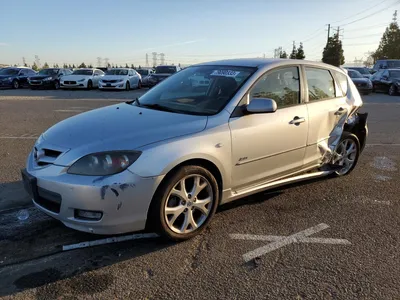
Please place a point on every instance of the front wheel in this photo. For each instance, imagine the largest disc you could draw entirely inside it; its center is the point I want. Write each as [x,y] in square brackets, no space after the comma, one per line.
[89,85]
[127,86]
[347,154]
[56,85]
[139,85]
[392,90]
[184,203]
[15,84]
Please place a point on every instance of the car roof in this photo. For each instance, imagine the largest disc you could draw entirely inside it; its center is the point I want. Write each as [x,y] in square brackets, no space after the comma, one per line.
[264,62]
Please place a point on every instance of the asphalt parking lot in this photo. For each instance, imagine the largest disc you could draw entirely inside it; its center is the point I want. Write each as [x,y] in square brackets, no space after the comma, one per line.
[332,238]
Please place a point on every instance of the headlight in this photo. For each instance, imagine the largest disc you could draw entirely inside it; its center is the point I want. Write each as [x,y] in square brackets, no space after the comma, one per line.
[48,78]
[81,80]
[105,163]
[9,78]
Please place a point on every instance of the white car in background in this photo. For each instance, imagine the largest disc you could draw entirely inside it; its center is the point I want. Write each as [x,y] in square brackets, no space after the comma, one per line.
[121,79]
[87,78]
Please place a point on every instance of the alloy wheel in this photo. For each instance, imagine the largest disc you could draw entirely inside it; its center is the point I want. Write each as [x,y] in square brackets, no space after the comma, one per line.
[346,154]
[188,204]
[392,90]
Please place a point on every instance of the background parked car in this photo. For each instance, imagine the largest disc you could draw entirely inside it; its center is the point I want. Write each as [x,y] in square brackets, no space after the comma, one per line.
[161,73]
[15,77]
[364,85]
[363,71]
[120,78]
[86,78]
[387,64]
[387,81]
[145,73]
[48,78]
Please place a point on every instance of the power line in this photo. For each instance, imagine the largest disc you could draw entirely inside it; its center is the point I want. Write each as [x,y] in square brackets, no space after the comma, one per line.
[363,36]
[361,12]
[373,14]
[367,27]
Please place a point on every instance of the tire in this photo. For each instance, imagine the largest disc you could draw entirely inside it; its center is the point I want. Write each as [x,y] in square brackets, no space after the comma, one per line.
[392,90]
[15,84]
[170,225]
[353,158]
[56,85]
[127,86]
[90,85]
[139,85]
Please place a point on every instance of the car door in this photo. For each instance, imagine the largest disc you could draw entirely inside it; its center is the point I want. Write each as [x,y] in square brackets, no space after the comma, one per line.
[96,77]
[385,81]
[327,105]
[23,77]
[270,145]
[376,80]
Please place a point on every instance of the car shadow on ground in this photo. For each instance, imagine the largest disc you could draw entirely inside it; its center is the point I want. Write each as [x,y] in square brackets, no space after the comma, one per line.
[31,254]
[63,94]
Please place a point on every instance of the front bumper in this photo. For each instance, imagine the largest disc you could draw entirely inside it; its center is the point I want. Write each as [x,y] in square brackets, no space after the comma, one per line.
[112,86]
[77,85]
[123,199]
[5,84]
[41,83]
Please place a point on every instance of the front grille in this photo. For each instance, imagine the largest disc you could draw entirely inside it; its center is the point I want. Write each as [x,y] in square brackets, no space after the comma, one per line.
[36,82]
[70,82]
[49,200]
[51,153]
[109,81]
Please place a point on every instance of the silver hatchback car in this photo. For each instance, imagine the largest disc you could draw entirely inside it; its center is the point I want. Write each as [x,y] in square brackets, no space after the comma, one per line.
[167,160]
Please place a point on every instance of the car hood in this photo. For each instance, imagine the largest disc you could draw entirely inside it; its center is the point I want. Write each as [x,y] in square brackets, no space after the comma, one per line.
[117,127]
[41,76]
[76,77]
[113,77]
[161,74]
[360,80]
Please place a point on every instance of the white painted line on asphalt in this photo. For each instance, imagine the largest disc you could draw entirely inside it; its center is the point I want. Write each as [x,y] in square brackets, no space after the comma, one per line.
[372,145]
[110,240]
[18,137]
[280,241]
[68,110]
[80,107]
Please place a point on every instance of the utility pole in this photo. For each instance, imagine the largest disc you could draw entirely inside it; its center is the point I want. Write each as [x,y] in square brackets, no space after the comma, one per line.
[329,32]
[162,58]
[154,58]
[147,60]
[23,61]
[37,61]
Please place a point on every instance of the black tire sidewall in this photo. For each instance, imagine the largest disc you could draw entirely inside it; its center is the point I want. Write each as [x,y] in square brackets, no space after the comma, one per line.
[156,218]
[13,84]
[56,85]
[90,85]
[349,135]
[394,90]
[127,86]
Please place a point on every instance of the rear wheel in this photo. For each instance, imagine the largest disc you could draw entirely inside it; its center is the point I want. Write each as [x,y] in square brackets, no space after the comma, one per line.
[89,85]
[392,90]
[184,203]
[15,84]
[127,86]
[56,85]
[139,85]
[346,154]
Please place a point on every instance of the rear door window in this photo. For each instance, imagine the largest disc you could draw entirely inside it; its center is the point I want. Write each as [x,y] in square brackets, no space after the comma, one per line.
[320,84]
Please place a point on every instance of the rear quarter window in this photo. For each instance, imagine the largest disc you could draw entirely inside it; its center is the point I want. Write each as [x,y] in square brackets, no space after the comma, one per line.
[343,84]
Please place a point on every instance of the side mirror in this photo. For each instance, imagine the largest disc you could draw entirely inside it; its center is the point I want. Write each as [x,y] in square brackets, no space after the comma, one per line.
[261,105]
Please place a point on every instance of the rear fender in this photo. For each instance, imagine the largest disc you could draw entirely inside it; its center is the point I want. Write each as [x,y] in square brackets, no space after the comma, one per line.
[357,124]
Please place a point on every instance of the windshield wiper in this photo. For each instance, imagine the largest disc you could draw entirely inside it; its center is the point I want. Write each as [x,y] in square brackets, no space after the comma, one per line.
[159,107]
[132,101]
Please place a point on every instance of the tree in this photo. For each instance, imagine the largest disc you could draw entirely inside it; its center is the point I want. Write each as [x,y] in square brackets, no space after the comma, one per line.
[389,47]
[283,54]
[82,65]
[139,67]
[69,66]
[65,66]
[333,51]
[132,66]
[35,67]
[45,66]
[73,66]
[293,55]
[25,65]
[90,66]
[126,66]
[108,65]
[300,52]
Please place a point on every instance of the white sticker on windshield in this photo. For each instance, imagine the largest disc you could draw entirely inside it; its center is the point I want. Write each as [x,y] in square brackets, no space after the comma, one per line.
[226,73]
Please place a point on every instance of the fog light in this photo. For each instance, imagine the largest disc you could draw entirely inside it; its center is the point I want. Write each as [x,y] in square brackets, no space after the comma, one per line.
[88,215]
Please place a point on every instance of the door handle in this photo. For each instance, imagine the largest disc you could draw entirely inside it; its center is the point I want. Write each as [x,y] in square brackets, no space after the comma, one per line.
[340,111]
[297,120]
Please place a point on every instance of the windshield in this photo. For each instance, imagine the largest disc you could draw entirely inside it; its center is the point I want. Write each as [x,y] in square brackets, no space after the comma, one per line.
[394,74]
[82,72]
[9,72]
[198,90]
[362,70]
[48,72]
[165,70]
[393,64]
[143,72]
[355,74]
[117,72]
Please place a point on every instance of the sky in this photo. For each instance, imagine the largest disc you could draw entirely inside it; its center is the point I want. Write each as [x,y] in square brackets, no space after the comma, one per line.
[186,31]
